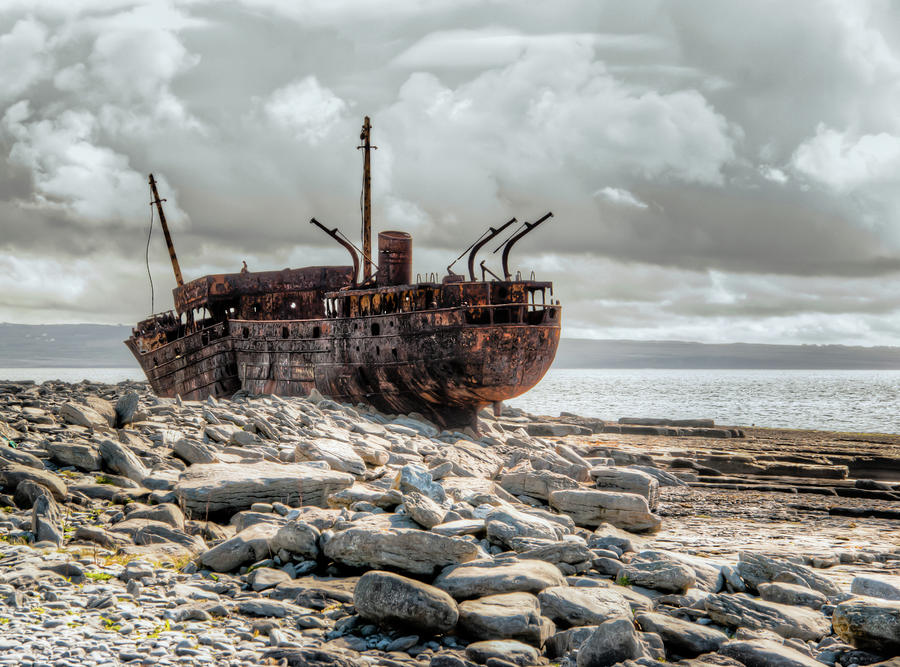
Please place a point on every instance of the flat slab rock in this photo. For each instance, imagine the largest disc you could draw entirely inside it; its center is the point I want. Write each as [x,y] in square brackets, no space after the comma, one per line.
[407,549]
[228,487]
[506,616]
[588,507]
[489,577]
[736,611]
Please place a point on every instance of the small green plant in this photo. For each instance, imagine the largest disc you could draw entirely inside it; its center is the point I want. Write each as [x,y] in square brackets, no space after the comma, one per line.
[3,620]
[110,625]
[165,627]
[98,576]
[623,580]
[104,479]
[8,510]
[38,610]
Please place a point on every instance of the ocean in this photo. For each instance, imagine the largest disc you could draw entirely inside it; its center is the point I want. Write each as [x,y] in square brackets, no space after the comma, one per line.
[857,401]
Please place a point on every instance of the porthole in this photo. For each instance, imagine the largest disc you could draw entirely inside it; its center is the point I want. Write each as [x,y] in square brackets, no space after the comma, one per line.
[376,329]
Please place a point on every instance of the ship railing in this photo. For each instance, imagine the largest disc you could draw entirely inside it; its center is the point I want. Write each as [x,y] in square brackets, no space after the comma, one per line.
[516,313]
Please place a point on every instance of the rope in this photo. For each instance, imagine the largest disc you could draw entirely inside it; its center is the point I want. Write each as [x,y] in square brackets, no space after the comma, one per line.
[147,259]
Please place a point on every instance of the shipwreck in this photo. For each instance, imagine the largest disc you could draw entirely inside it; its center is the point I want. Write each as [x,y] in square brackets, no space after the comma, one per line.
[366,332]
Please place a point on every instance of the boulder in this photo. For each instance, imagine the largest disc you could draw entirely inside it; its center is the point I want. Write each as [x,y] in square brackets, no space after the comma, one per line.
[742,611]
[125,408]
[194,451]
[46,520]
[394,600]
[159,534]
[766,653]
[248,546]
[416,478]
[681,637]
[508,650]
[758,569]
[406,549]
[81,415]
[524,481]
[12,474]
[606,535]
[423,510]
[103,408]
[588,507]
[229,487]
[627,480]
[504,523]
[505,616]
[871,624]
[659,571]
[570,550]
[81,456]
[338,454]
[119,459]
[573,606]
[612,642]
[166,513]
[791,594]
[489,576]
[883,586]
[298,538]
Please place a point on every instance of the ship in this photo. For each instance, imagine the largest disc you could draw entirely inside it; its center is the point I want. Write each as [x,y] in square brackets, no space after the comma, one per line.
[442,347]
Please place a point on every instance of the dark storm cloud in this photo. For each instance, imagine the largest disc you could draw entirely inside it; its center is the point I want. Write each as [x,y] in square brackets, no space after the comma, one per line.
[717,170]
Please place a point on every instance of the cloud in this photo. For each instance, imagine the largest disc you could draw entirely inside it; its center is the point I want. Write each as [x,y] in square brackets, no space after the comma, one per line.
[307,109]
[620,197]
[23,52]
[847,163]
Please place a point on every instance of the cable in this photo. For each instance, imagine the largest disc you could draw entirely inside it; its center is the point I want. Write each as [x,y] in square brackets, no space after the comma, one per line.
[147,259]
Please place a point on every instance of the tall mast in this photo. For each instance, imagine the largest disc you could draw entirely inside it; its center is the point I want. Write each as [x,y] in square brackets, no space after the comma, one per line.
[162,220]
[367,200]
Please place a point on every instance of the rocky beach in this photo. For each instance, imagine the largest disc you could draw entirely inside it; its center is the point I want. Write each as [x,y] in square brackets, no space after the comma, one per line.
[298,531]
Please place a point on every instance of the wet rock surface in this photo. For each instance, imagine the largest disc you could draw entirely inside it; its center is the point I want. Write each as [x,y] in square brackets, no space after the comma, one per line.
[267,530]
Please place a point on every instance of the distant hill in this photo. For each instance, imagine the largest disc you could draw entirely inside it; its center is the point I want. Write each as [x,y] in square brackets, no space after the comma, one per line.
[101,346]
[590,353]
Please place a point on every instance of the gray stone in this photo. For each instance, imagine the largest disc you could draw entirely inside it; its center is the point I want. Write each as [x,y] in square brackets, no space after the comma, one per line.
[193,451]
[423,510]
[606,535]
[488,577]
[414,477]
[505,616]
[589,507]
[248,546]
[742,611]
[659,571]
[871,624]
[883,586]
[229,487]
[791,594]
[766,653]
[121,460]
[524,481]
[627,480]
[612,642]
[566,641]
[394,600]
[267,608]
[460,527]
[12,474]
[339,455]
[681,637]
[758,569]
[406,549]
[45,520]
[297,537]
[81,415]
[570,606]
[166,513]
[156,534]
[505,523]
[125,408]
[82,456]
[267,577]
[505,649]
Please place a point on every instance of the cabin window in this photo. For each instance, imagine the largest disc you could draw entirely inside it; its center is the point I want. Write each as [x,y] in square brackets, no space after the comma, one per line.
[317,332]
[377,351]
[284,332]
[394,352]
[376,328]
[245,332]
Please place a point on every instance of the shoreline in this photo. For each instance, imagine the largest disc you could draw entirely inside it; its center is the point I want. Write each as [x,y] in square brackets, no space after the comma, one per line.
[257,530]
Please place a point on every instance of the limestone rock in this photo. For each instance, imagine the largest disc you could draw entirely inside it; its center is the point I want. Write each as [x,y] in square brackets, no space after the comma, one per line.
[766,653]
[588,507]
[742,611]
[524,481]
[12,474]
[125,408]
[627,480]
[758,569]
[681,637]
[658,571]
[82,456]
[157,534]
[121,460]
[81,415]
[883,586]
[406,549]
[45,520]
[221,487]
[193,451]
[248,546]
[612,642]
[505,649]
[570,606]
[423,510]
[505,523]
[791,594]
[395,600]
[606,535]
[413,477]
[505,616]
[871,624]
[338,454]
[488,577]
[296,537]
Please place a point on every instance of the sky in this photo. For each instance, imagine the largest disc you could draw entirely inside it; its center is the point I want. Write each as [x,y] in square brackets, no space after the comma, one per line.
[718,171]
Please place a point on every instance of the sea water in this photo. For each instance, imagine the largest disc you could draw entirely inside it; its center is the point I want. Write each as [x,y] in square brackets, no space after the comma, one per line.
[858,401]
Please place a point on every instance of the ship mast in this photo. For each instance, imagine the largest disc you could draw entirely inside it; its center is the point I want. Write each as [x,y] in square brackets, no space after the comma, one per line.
[367,200]
[162,220]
